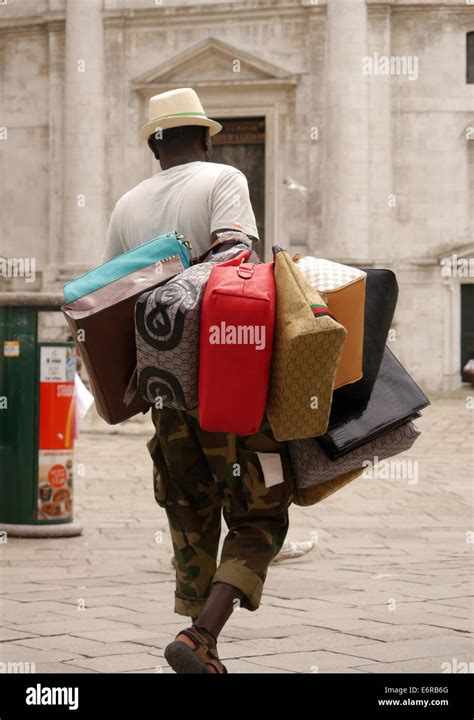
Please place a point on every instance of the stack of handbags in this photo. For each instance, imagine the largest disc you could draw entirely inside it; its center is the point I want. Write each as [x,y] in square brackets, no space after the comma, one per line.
[384,428]
[309,343]
[167,322]
[370,420]
[100,308]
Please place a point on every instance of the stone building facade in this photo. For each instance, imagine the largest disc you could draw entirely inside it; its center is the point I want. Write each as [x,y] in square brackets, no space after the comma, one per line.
[360,166]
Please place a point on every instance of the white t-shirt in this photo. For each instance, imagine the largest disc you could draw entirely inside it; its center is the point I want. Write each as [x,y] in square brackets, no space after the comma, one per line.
[194,199]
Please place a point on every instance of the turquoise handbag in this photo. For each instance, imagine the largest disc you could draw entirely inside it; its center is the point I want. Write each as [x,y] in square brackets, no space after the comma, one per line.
[99,309]
[157,250]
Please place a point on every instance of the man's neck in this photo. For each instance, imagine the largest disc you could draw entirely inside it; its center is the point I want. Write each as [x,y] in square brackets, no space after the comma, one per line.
[167,163]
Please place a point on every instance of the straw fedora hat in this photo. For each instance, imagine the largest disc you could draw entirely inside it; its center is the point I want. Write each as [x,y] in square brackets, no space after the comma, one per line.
[176,108]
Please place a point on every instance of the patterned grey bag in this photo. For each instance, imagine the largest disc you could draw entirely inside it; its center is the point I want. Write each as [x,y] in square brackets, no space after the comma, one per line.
[312,466]
[167,332]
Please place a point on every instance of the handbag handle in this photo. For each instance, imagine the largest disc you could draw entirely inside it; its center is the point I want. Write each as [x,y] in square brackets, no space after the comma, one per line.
[131,389]
[245,270]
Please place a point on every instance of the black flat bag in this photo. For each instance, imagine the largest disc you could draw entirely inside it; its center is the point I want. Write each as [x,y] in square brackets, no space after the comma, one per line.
[381,294]
[395,399]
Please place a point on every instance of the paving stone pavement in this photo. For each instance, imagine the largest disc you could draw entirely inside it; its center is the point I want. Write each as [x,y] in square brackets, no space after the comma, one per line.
[387,588]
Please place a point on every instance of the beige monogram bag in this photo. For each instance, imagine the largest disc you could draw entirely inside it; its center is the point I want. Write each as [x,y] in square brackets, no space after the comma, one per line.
[307,351]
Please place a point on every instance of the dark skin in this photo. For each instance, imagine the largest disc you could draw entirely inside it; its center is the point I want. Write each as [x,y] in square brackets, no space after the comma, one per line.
[178,147]
[182,145]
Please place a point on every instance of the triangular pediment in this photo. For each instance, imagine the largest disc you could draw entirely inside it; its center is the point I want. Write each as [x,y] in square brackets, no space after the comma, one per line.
[212,61]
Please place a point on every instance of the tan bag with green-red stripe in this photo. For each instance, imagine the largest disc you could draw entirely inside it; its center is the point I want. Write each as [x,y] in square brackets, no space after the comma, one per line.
[307,351]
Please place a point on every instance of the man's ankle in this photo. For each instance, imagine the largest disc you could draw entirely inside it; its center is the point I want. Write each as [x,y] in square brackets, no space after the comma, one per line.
[212,640]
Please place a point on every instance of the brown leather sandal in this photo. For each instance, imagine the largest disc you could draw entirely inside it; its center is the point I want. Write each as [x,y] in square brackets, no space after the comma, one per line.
[200,658]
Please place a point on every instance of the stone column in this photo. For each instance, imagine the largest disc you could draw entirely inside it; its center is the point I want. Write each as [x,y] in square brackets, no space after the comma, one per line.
[84,137]
[55,148]
[381,187]
[346,169]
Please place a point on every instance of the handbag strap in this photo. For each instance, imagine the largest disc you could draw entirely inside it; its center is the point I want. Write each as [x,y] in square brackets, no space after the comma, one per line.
[224,238]
[245,270]
[131,389]
[215,242]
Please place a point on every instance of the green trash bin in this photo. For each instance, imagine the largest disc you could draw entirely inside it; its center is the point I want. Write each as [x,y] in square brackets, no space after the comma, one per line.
[37,418]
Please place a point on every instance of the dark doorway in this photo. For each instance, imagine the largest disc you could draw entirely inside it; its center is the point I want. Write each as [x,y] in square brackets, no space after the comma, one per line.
[467,325]
[242,144]
[470,57]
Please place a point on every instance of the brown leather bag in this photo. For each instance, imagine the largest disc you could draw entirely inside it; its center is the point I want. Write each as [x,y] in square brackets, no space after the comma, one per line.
[103,328]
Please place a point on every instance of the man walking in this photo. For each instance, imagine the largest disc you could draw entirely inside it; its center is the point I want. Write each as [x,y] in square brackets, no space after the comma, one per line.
[198,475]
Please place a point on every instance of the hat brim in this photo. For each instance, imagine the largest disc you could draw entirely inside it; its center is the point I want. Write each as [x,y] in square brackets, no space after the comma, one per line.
[179,121]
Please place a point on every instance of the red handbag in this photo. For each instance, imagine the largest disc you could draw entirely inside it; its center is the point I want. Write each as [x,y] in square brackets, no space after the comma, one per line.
[236,342]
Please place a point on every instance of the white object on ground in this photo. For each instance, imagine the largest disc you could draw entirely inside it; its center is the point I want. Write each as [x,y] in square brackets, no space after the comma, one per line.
[292,549]
[84,400]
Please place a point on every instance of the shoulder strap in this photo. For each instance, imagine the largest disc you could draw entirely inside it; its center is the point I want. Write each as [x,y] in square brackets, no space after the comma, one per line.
[227,237]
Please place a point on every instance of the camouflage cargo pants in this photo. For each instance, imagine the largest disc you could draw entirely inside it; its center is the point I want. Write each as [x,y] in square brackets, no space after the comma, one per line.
[200,475]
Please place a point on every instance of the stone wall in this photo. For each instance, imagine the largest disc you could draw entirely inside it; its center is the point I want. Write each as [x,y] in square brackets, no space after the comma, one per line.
[384,169]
